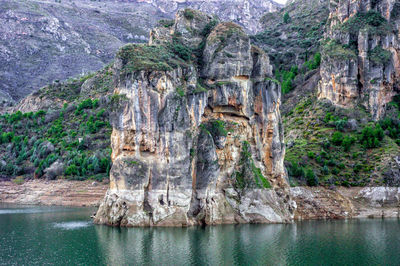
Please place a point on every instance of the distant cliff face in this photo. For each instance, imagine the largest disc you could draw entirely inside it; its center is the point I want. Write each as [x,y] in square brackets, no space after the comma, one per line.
[361,54]
[244,12]
[42,41]
[196,141]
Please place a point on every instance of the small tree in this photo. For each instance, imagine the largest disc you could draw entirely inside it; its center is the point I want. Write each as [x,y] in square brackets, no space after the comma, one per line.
[311,178]
[337,138]
[286,17]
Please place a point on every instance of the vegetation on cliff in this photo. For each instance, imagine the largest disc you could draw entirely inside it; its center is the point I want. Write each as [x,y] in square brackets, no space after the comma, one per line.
[330,145]
[341,147]
[71,141]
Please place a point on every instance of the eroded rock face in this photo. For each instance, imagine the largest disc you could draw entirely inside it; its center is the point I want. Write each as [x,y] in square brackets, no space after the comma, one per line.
[199,144]
[343,203]
[361,54]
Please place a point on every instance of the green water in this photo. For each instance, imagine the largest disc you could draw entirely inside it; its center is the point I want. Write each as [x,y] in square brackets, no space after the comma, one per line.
[66,236]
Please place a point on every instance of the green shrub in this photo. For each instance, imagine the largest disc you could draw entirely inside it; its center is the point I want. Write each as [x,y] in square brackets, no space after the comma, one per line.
[105,165]
[311,155]
[180,91]
[86,104]
[71,170]
[371,21]
[181,50]
[6,137]
[167,23]
[331,162]
[248,167]
[313,63]
[371,137]
[347,142]
[188,14]
[340,124]
[311,178]
[286,78]
[138,57]
[218,128]
[100,114]
[335,171]
[378,55]
[325,170]
[209,27]
[357,168]
[39,113]
[337,138]
[338,51]
[295,170]
[286,17]
[95,103]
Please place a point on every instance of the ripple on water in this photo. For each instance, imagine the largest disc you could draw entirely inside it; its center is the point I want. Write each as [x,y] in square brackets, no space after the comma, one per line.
[72,225]
[14,211]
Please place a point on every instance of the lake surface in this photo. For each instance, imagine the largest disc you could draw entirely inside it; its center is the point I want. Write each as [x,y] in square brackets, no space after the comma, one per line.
[66,236]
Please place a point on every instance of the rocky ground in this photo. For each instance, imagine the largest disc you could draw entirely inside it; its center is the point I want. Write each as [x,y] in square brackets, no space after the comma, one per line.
[58,192]
[342,203]
[312,203]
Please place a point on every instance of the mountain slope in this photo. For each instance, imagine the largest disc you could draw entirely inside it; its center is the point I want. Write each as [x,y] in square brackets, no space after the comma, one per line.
[42,41]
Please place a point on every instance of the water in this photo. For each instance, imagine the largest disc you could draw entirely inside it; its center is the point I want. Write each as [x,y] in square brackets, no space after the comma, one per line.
[66,236]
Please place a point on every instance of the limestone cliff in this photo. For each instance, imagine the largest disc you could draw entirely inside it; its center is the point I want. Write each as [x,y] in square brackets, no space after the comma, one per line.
[361,54]
[200,140]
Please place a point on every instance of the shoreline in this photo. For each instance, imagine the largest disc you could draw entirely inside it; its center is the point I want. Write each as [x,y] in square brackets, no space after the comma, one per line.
[66,193]
[313,203]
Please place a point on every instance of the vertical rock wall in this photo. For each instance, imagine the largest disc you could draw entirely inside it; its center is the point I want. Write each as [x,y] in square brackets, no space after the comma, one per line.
[361,54]
[202,143]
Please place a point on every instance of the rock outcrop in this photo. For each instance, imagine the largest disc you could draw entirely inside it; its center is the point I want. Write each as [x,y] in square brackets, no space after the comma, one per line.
[198,141]
[361,54]
[343,203]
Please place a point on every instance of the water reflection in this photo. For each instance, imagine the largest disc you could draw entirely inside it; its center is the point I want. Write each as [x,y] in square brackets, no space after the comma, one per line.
[308,243]
[66,236]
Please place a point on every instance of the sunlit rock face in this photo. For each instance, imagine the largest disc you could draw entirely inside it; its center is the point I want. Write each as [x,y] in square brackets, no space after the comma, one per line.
[361,53]
[201,141]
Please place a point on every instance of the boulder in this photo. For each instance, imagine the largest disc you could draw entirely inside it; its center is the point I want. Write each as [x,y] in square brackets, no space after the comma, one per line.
[54,170]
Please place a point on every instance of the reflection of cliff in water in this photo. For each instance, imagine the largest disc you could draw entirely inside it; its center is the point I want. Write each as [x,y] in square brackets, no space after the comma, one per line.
[229,244]
[361,242]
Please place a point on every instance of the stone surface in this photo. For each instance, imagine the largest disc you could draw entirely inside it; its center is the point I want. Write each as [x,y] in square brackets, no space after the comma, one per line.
[54,170]
[199,144]
[341,203]
[349,75]
[57,192]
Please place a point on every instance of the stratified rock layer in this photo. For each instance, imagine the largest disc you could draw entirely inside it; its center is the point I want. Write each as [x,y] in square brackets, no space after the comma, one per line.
[199,143]
[361,55]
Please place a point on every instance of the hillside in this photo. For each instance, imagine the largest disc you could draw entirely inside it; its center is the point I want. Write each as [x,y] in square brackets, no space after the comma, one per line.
[327,142]
[342,120]
[43,41]
[292,35]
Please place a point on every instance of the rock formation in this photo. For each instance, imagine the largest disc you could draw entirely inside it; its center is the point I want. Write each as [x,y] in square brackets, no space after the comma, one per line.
[361,54]
[198,141]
